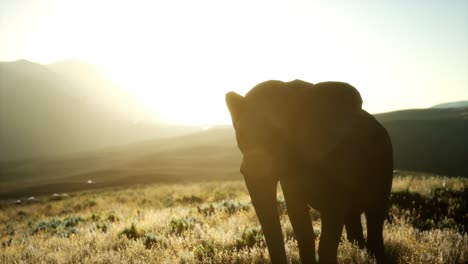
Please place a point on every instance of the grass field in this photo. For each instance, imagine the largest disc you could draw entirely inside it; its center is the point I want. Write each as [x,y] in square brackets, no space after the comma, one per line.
[214,222]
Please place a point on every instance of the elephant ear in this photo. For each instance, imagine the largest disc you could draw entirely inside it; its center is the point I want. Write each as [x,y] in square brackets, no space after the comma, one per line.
[234,103]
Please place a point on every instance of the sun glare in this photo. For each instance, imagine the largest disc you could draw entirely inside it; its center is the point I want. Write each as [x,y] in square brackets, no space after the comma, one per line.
[180,57]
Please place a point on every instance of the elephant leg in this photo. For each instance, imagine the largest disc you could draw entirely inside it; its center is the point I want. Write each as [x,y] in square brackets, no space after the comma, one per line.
[299,216]
[263,196]
[332,226]
[375,244]
[354,229]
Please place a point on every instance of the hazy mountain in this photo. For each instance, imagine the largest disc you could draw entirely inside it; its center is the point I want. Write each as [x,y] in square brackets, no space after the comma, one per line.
[66,107]
[92,85]
[49,111]
[425,114]
[421,143]
[429,140]
[458,104]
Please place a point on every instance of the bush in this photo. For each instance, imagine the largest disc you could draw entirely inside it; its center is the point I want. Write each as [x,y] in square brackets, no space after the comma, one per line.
[204,251]
[444,208]
[179,225]
[95,218]
[152,240]
[131,232]
[8,230]
[22,214]
[232,207]
[63,228]
[206,210]
[250,237]
[47,226]
[72,221]
[102,226]
[190,199]
[112,218]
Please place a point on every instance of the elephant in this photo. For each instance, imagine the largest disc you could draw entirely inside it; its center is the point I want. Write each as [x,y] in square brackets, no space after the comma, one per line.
[326,152]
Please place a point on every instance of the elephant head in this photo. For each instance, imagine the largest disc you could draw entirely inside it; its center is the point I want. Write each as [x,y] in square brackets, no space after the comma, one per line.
[258,137]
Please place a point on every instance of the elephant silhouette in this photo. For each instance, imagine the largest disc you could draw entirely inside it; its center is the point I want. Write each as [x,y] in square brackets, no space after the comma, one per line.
[326,152]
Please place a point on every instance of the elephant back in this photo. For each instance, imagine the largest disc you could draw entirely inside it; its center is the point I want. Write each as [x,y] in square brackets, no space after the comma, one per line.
[324,114]
[311,118]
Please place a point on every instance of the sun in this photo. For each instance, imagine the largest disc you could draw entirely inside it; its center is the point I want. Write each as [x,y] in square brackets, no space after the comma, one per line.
[181,101]
[196,110]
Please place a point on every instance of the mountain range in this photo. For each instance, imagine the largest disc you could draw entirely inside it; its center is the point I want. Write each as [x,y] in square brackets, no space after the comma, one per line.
[429,140]
[61,131]
[67,107]
[457,104]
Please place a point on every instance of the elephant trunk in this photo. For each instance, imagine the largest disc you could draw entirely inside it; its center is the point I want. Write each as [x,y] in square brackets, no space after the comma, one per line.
[263,195]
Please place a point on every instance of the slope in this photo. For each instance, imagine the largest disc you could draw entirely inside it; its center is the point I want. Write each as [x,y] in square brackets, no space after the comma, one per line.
[65,108]
[204,155]
[429,140]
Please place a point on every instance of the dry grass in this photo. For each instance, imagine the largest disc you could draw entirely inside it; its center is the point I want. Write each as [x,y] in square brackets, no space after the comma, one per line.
[207,222]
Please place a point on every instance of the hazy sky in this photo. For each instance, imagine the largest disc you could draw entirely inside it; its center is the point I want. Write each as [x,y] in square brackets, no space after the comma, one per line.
[181,57]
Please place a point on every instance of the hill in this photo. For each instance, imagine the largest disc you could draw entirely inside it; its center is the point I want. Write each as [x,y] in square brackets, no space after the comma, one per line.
[208,155]
[54,117]
[458,104]
[67,107]
[454,114]
[92,85]
[429,140]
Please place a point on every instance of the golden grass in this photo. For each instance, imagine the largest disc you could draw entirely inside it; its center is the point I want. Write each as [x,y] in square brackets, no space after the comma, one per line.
[210,222]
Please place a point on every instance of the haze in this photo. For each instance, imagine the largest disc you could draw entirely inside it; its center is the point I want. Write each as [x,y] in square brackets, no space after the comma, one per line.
[180,57]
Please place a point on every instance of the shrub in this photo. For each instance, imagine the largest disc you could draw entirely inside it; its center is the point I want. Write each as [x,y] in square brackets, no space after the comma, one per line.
[86,204]
[204,251]
[72,221]
[444,208]
[62,228]
[232,207]
[250,237]
[152,240]
[206,210]
[8,230]
[47,226]
[190,199]
[67,232]
[89,203]
[6,242]
[112,218]
[179,225]
[95,218]
[22,214]
[102,226]
[131,232]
